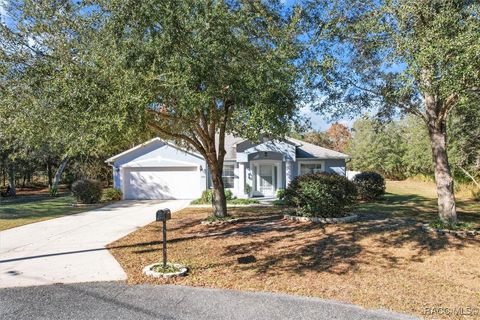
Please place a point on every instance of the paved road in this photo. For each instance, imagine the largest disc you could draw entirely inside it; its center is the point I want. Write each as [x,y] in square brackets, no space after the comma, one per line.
[72,248]
[116,300]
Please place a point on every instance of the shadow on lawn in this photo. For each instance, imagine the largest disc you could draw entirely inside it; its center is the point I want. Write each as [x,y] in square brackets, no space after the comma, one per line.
[286,246]
[283,246]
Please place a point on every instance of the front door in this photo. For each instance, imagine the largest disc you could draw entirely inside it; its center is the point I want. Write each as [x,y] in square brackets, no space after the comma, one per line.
[265,179]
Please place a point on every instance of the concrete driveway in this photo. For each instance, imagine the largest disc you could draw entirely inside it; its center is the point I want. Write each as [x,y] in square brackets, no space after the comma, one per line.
[72,248]
[114,300]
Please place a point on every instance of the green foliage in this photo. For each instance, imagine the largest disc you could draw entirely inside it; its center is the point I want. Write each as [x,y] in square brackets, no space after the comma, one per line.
[170,268]
[370,185]
[376,147]
[87,191]
[280,194]
[321,195]
[228,194]
[53,191]
[464,133]
[111,194]
[460,226]
[388,56]
[248,189]
[207,197]
[237,201]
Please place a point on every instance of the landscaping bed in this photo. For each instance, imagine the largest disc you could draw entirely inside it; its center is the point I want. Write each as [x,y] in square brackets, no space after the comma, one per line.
[385,260]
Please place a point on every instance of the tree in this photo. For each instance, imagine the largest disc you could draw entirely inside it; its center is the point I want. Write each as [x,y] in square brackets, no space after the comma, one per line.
[408,56]
[53,101]
[464,147]
[417,156]
[319,138]
[198,70]
[339,135]
[378,147]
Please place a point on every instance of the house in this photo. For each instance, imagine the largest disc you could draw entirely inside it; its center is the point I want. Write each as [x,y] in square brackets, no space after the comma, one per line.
[159,169]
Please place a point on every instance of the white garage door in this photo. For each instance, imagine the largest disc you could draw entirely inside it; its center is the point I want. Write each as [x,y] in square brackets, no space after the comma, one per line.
[162,183]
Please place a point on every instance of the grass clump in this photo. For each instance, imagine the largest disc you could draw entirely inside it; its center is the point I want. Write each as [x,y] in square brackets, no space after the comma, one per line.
[170,268]
[460,226]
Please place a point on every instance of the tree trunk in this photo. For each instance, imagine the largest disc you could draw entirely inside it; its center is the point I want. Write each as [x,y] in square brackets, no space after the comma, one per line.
[443,177]
[219,202]
[58,174]
[12,192]
[49,172]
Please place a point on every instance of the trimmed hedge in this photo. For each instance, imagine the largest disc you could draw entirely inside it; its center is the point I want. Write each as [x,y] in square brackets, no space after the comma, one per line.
[87,191]
[321,195]
[112,194]
[370,185]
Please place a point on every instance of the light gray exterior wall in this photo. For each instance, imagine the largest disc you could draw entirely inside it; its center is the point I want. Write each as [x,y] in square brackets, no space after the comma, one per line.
[156,154]
[337,166]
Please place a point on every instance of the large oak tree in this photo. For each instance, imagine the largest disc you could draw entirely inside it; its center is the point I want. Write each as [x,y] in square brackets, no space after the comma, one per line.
[197,70]
[420,57]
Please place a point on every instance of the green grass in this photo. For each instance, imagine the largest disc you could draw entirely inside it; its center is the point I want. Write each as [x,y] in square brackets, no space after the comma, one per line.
[462,226]
[417,200]
[19,211]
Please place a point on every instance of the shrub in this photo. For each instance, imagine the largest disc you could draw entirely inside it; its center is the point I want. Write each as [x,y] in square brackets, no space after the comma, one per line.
[87,191]
[53,191]
[228,194]
[207,196]
[321,195]
[370,185]
[112,194]
[280,194]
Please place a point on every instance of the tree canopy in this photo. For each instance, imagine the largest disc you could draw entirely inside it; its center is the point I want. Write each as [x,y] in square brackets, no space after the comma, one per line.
[393,57]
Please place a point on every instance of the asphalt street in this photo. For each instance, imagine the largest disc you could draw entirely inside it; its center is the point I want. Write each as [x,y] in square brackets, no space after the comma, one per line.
[117,300]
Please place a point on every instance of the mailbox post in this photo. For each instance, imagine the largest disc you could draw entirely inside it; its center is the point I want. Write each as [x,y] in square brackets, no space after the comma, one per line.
[164,215]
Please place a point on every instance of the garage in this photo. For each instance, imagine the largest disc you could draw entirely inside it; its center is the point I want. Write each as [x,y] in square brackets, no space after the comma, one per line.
[158,169]
[162,183]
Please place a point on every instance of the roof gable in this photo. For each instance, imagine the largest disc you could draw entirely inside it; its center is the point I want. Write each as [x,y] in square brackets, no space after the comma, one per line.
[141,151]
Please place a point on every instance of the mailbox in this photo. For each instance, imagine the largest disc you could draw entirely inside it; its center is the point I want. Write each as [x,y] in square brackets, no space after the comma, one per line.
[163,215]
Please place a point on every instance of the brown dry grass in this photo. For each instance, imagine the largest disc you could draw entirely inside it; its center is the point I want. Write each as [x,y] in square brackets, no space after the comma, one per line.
[383,261]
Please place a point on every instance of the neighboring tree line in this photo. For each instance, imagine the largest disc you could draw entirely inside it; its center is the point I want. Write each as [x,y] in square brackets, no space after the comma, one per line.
[401,149]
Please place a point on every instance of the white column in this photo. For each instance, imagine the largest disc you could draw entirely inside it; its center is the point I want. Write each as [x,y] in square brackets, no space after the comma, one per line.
[241,180]
[280,176]
[288,172]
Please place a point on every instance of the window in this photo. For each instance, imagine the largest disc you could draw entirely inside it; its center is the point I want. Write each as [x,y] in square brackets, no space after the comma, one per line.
[310,168]
[228,175]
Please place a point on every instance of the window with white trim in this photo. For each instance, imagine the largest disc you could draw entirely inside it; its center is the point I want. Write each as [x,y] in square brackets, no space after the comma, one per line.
[228,175]
[310,168]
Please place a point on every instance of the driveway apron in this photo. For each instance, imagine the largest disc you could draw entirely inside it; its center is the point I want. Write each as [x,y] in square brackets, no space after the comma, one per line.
[72,249]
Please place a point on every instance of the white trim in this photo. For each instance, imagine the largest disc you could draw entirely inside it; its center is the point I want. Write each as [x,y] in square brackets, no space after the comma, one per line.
[276,165]
[313,161]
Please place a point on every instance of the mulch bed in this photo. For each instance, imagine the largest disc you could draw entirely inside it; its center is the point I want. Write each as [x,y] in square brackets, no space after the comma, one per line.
[378,263]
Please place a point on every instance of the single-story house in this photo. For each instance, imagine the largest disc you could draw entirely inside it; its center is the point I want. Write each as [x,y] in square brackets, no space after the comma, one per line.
[159,169]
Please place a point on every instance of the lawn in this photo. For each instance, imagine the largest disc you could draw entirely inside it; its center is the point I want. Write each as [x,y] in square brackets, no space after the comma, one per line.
[27,209]
[383,261]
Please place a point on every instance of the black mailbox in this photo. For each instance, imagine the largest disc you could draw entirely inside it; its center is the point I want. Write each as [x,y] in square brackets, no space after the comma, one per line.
[163,215]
